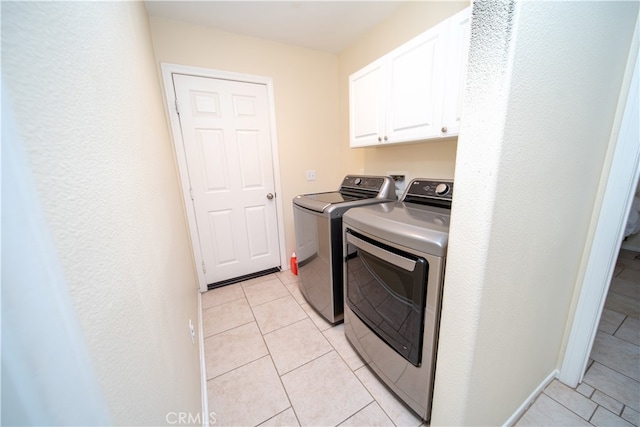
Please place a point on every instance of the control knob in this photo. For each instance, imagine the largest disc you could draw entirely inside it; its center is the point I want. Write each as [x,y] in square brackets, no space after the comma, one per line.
[442,189]
[358,181]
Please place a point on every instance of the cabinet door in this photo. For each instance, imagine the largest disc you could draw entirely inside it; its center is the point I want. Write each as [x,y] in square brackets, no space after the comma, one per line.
[366,105]
[457,59]
[414,89]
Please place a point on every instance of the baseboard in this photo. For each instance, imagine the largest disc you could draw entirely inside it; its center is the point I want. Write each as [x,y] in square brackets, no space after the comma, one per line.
[529,400]
[203,367]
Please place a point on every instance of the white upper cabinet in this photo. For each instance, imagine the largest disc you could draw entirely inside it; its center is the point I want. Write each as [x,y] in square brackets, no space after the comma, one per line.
[413,92]
[366,105]
[456,68]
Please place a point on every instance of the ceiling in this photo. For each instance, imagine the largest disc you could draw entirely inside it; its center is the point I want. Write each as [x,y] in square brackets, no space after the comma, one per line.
[328,26]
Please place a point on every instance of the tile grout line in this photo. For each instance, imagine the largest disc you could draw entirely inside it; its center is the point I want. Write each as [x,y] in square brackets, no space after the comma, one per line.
[614,370]
[295,414]
[626,316]
[282,327]
[304,364]
[280,413]
[360,381]
[374,399]
[334,349]
[623,406]
[262,334]
[230,329]
[251,307]
[240,366]
[360,410]
[620,325]
[233,328]
[218,305]
[569,409]
[617,329]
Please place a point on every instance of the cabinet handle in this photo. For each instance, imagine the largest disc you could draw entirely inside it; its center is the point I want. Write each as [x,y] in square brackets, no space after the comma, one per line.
[379,139]
[385,138]
[444,129]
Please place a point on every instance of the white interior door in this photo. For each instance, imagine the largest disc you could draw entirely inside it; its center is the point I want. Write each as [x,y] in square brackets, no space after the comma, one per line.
[226,134]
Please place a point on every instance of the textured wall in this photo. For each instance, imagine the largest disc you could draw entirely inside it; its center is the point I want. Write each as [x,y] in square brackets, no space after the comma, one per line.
[543,85]
[83,84]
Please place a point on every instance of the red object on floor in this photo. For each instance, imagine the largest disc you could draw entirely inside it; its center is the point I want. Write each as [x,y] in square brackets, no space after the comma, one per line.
[294,264]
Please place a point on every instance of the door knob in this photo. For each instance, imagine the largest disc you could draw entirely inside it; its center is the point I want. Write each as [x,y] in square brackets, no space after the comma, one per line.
[270,196]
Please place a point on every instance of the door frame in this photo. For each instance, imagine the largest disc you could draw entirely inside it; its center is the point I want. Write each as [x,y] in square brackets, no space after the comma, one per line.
[168,70]
[616,203]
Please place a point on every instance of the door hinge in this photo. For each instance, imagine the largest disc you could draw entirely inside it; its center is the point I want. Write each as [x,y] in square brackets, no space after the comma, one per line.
[177,108]
[191,192]
[204,268]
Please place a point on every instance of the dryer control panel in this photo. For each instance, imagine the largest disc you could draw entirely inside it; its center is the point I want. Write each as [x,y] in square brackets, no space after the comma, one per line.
[429,192]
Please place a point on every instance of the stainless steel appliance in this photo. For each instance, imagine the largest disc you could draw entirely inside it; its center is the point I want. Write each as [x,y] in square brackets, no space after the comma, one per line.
[394,270]
[318,225]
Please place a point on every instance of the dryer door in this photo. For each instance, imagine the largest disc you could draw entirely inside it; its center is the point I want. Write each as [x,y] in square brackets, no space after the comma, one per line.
[386,288]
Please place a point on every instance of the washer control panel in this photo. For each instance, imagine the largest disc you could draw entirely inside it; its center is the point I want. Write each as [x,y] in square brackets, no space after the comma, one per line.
[366,182]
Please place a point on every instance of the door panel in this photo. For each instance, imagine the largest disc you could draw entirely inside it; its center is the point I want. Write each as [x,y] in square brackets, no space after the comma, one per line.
[227,142]
[205,103]
[250,161]
[213,156]
[256,218]
[221,223]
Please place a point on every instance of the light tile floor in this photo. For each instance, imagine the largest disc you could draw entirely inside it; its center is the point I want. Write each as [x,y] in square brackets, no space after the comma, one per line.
[271,360]
[610,392]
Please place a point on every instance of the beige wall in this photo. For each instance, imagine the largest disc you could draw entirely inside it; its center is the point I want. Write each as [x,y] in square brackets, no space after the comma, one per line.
[83,85]
[311,97]
[433,159]
[306,98]
[533,145]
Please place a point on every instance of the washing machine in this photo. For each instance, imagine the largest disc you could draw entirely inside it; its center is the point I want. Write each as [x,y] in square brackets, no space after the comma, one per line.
[318,226]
